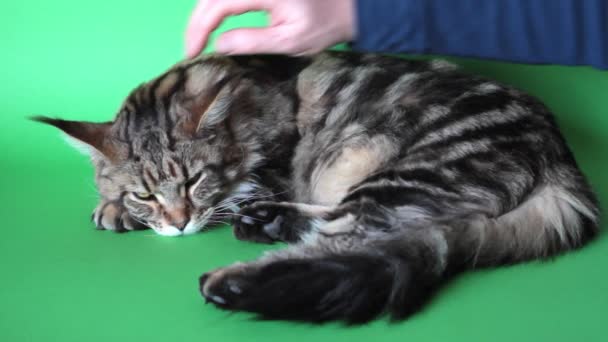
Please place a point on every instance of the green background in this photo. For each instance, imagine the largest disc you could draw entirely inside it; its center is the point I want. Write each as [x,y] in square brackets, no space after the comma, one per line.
[63,281]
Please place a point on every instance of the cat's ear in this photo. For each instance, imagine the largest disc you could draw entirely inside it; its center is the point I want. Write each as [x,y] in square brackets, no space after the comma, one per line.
[88,136]
[208,107]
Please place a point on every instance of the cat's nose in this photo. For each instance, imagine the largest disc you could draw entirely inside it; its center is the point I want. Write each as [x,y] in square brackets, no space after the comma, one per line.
[180,224]
[178,217]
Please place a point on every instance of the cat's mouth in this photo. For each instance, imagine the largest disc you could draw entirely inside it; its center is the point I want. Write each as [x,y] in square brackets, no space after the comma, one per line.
[170,231]
[205,221]
[190,228]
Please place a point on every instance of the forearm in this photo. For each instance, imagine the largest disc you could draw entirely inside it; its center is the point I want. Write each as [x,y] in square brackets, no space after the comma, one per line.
[570,32]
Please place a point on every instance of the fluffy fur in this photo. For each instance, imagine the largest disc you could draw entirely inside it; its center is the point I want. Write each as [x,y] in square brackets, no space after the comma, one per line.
[386,176]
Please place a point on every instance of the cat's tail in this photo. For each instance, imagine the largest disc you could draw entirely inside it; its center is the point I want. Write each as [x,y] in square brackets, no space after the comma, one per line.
[396,273]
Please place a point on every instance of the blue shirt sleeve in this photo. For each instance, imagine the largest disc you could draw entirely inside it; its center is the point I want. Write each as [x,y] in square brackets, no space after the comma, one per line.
[569,32]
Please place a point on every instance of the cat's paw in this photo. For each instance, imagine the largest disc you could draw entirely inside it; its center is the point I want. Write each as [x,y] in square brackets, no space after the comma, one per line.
[260,222]
[225,287]
[112,215]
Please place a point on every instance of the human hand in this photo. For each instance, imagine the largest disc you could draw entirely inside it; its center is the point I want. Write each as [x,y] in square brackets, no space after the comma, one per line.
[297,27]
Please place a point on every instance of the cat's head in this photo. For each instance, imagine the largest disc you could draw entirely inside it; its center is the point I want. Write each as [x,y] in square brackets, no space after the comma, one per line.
[179,150]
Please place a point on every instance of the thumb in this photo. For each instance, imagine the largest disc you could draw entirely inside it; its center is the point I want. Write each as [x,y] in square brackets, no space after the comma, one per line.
[245,41]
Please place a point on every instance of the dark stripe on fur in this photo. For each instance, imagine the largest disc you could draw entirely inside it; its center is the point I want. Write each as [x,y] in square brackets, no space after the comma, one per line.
[397,195]
[431,178]
[465,108]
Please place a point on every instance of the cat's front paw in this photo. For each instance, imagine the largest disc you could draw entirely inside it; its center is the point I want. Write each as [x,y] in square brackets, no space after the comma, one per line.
[260,222]
[112,215]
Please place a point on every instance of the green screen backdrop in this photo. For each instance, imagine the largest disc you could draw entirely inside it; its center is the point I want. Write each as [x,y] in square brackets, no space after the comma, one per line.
[61,280]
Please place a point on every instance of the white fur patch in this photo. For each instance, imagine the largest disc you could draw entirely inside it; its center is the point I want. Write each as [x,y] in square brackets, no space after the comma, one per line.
[83,147]
[246,187]
[551,209]
[80,146]
[192,228]
[168,231]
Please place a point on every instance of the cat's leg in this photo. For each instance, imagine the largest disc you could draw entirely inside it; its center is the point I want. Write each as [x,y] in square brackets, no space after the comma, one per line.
[112,215]
[266,221]
[387,252]
[265,214]
[242,285]
[349,267]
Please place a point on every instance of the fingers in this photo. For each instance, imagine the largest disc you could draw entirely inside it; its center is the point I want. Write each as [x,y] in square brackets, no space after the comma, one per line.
[209,14]
[272,40]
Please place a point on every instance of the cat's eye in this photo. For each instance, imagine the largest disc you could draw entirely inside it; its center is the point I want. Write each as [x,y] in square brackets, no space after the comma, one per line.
[144,196]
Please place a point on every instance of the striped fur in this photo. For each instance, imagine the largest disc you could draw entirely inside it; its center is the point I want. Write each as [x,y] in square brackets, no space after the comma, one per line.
[386,177]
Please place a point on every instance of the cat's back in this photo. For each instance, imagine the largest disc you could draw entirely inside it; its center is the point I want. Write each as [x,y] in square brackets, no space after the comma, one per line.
[410,97]
[333,77]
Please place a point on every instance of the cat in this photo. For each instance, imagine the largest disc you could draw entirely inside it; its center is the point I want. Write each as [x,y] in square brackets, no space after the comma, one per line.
[386,176]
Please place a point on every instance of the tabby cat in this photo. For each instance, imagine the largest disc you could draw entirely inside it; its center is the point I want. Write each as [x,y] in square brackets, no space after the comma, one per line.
[385,176]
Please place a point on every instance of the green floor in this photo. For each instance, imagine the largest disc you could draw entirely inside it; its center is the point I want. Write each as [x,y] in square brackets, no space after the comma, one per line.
[63,281]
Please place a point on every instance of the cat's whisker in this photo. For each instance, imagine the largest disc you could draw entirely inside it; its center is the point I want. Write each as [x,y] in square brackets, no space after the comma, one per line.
[242,160]
[241,197]
[256,194]
[450,172]
[249,217]
[216,222]
[251,197]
